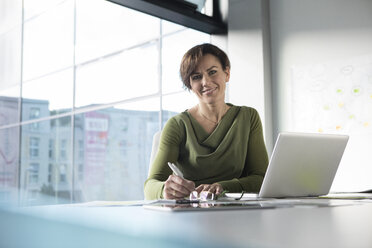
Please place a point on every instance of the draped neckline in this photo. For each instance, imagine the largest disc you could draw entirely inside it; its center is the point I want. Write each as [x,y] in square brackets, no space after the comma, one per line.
[214,138]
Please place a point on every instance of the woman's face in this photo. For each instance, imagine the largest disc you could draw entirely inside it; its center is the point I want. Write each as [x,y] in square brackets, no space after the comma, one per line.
[208,82]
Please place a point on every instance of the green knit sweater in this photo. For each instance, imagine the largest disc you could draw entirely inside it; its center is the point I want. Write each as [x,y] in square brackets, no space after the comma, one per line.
[234,154]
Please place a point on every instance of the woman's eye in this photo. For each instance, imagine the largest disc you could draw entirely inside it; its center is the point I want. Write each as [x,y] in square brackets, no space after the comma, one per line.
[196,77]
[212,72]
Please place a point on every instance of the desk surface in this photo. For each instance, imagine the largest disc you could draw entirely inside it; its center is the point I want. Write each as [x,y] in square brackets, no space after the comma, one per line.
[301,226]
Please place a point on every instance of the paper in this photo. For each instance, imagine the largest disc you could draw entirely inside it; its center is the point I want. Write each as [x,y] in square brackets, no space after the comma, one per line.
[351,196]
[122,203]
[235,196]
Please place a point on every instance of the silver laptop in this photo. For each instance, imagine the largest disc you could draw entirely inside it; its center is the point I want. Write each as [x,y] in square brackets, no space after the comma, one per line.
[303,164]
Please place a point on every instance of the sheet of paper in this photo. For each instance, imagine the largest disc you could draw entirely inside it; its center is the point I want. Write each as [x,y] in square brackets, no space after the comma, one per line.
[122,203]
[351,196]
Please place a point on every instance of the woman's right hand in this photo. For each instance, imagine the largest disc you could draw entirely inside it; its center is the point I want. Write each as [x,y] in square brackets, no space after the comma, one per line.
[177,188]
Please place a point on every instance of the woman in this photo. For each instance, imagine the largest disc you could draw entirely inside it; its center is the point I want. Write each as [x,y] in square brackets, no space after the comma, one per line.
[217,146]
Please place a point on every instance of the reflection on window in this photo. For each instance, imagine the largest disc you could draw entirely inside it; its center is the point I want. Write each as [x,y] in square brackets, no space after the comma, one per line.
[112,62]
[130,74]
[62,173]
[40,171]
[117,28]
[48,41]
[63,149]
[51,147]
[50,173]
[34,147]
[34,114]
[33,173]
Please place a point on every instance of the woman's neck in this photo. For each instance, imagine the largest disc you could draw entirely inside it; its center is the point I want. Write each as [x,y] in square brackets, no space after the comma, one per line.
[212,112]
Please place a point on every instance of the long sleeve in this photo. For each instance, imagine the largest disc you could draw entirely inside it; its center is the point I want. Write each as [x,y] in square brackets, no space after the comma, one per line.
[168,152]
[234,154]
[256,161]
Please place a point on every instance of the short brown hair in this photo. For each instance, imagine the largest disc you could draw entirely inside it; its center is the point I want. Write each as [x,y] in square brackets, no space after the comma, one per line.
[192,57]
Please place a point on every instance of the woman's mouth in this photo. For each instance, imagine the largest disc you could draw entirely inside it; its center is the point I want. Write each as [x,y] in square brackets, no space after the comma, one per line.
[208,91]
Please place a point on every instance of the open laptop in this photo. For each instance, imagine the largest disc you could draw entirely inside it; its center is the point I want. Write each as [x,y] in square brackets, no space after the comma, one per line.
[303,164]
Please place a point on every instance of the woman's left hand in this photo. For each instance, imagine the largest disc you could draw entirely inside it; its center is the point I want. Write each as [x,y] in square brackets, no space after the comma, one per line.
[215,188]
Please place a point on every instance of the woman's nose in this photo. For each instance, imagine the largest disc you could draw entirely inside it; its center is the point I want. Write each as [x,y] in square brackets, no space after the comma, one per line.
[205,80]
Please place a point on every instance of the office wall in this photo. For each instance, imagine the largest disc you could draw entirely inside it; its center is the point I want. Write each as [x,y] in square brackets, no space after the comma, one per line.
[302,34]
[331,33]
[249,51]
[311,32]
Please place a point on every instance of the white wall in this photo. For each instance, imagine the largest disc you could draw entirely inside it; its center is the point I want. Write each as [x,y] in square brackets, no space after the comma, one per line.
[309,32]
[249,50]
[317,31]
[301,33]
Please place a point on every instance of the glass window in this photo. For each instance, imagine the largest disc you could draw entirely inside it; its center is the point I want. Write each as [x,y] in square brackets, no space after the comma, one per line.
[63,149]
[56,94]
[116,28]
[10,65]
[10,14]
[10,61]
[117,149]
[50,167]
[47,187]
[34,113]
[174,47]
[9,166]
[176,103]
[51,145]
[130,74]
[29,106]
[33,8]
[9,112]
[48,41]
[68,56]
[170,27]
[62,173]
[34,147]
[33,173]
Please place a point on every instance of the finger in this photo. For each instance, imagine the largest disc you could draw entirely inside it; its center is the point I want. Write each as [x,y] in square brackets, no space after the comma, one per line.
[173,194]
[202,187]
[175,184]
[206,187]
[219,190]
[215,188]
[170,192]
[188,185]
[199,188]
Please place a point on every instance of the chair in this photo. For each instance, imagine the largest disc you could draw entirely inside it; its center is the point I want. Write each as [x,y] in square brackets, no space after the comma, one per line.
[154,149]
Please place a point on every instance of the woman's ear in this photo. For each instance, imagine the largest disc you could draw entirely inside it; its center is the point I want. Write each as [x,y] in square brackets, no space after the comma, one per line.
[227,71]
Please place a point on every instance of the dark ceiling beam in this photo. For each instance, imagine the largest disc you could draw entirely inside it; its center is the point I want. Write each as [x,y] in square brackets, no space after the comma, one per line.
[179,12]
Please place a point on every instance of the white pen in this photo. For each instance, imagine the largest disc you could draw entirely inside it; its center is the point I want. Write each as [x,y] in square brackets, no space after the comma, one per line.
[175,170]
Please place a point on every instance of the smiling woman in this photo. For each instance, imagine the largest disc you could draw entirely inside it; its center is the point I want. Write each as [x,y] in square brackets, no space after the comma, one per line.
[218,146]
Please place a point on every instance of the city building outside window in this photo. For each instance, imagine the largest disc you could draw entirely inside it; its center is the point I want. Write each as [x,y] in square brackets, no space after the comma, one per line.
[96,90]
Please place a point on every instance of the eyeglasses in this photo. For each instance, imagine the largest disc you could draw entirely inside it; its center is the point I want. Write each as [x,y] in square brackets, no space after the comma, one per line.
[208,196]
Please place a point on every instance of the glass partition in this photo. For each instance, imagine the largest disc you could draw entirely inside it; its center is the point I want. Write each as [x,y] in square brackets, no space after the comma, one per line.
[46,162]
[84,86]
[112,150]
[130,74]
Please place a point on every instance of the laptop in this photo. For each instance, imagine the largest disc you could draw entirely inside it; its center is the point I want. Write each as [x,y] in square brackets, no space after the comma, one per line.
[303,164]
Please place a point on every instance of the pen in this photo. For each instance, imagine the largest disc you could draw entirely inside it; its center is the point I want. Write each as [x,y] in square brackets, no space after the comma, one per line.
[175,170]
[186,201]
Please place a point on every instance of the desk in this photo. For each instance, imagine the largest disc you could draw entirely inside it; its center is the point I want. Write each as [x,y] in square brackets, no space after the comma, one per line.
[73,226]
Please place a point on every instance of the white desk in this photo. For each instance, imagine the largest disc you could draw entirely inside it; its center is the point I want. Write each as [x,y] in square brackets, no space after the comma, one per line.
[71,226]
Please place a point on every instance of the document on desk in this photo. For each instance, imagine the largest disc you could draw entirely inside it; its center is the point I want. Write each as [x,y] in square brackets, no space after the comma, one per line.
[348,196]
[239,196]
[122,203]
